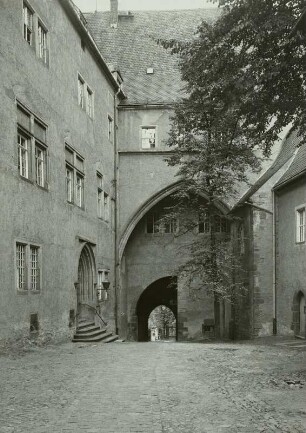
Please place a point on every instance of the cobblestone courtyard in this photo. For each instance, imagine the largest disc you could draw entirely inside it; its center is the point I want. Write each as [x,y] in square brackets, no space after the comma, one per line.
[154,388]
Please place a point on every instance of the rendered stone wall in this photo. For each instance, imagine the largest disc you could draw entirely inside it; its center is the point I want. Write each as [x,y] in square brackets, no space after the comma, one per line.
[32,214]
[290,255]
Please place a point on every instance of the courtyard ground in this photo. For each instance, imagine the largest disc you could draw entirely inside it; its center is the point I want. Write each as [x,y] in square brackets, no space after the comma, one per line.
[159,387]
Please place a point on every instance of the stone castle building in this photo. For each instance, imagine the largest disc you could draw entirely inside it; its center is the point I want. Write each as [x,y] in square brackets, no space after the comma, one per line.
[86,107]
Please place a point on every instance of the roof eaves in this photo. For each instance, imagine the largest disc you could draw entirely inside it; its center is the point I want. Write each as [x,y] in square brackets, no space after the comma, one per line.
[281,184]
[79,24]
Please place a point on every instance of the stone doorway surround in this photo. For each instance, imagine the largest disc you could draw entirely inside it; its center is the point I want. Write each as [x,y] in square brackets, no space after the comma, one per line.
[86,294]
[299,314]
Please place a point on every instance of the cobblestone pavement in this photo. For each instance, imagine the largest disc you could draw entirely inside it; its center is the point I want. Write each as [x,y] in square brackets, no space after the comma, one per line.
[154,388]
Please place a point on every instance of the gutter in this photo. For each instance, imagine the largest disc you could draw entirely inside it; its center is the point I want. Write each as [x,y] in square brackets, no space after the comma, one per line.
[84,32]
[116,210]
[286,182]
[274,265]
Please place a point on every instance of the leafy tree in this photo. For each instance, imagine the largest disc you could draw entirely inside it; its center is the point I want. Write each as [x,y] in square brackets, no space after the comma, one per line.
[161,318]
[244,81]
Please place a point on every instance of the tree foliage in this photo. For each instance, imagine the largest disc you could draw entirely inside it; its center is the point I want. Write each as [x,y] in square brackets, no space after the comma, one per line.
[244,78]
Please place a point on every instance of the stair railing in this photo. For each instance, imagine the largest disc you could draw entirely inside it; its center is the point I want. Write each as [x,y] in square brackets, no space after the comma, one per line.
[96,311]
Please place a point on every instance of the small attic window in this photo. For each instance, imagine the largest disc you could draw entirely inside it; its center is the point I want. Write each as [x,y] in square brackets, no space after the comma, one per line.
[150,70]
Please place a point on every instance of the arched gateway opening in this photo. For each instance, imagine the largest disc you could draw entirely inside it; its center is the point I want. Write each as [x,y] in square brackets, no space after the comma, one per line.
[162,324]
[86,295]
[161,292]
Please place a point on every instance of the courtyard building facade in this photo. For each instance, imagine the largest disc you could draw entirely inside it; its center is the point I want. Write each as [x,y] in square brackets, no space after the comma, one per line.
[86,107]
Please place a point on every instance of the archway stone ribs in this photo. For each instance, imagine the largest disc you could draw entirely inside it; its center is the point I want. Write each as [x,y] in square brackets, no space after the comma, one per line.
[149,204]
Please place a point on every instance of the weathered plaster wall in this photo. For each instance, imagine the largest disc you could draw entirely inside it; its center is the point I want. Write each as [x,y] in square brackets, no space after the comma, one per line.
[142,173]
[149,257]
[32,214]
[290,255]
[261,276]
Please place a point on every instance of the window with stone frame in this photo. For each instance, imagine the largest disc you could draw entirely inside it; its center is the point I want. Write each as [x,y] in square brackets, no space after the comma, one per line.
[300,224]
[32,147]
[34,268]
[85,96]
[21,274]
[28,24]
[35,32]
[90,102]
[74,177]
[42,42]
[148,137]
[207,221]
[28,265]
[159,222]
[204,222]
[81,92]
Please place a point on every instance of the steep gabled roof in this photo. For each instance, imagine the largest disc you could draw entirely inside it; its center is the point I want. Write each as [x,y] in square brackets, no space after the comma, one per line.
[289,146]
[297,168]
[132,48]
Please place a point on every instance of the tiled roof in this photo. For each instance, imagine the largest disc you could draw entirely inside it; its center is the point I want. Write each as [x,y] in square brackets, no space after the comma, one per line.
[132,48]
[297,167]
[288,148]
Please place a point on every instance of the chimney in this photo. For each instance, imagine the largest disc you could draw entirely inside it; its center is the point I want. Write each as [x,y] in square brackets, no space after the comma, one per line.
[114,13]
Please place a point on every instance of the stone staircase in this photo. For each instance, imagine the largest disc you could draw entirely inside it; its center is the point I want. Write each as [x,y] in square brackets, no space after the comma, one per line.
[89,332]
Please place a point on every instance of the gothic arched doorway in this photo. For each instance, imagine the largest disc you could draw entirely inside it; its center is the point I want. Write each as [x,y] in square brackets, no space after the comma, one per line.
[161,292]
[86,294]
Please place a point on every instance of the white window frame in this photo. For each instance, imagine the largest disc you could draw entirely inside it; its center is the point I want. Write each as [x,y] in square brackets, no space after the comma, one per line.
[85,96]
[300,218]
[40,164]
[28,267]
[21,266]
[146,141]
[28,23]
[75,178]
[27,155]
[69,184]
[35,32]
[81,92]
[24,146]
[42,41]
[34,265]
[90,102]
[79,189]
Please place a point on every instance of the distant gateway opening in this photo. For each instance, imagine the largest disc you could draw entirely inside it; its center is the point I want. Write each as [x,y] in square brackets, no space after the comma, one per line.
[162,324]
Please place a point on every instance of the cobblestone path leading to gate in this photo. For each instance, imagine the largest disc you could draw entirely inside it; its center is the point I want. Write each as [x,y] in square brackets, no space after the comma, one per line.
[154,388]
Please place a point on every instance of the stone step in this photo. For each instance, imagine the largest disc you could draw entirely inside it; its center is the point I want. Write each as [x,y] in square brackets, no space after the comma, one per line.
[110,339]
[100,337]
[87,329]
[85,324]
[94,333]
